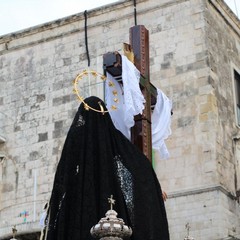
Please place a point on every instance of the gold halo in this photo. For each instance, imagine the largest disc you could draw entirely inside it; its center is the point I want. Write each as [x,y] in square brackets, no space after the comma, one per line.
[76,91]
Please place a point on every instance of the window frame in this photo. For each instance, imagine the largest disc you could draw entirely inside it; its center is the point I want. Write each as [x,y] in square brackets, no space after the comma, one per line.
[236,93]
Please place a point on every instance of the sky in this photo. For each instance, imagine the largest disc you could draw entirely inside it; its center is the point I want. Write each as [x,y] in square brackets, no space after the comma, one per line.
[16,15]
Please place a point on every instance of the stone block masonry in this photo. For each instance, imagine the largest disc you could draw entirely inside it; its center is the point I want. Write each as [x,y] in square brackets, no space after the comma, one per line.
[38,65]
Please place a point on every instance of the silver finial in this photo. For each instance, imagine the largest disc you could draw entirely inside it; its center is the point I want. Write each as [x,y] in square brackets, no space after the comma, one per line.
[111,201]
[14,232]
[111,227]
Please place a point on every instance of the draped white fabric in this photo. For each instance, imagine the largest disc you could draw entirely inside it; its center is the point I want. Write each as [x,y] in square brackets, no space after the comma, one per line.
[118,114]
[133,97]
[161,121]
[130,103]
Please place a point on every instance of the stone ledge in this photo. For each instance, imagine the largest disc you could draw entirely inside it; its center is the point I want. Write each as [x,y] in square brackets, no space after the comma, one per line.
[69,25]
[188,192]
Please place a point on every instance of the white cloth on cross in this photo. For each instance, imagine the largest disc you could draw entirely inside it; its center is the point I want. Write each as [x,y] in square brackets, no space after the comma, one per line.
[130,98]
[131,102]
[161,121]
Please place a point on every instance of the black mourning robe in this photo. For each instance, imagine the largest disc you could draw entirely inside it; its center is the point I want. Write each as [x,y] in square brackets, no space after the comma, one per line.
[98,161]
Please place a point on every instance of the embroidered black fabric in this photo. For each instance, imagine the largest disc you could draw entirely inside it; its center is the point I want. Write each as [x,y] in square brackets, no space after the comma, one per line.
[98,161]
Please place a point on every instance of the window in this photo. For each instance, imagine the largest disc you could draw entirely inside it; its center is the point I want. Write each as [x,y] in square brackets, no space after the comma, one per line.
[237,95]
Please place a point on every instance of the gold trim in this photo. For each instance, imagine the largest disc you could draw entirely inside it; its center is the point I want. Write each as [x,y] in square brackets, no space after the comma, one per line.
[76,91]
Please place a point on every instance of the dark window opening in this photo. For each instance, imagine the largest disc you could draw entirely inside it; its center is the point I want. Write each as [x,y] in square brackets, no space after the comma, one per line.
[237,94]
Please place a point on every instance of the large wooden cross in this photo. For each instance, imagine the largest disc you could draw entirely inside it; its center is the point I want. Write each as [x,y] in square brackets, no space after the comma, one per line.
[141,134]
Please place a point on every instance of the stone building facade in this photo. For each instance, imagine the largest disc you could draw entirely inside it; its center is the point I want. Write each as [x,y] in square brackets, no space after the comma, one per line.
[194,59]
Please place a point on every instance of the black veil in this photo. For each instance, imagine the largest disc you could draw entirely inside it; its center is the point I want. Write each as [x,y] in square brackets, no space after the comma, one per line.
[98,161]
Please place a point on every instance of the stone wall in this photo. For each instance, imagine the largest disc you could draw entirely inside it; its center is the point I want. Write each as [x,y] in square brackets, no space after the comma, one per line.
[37,105]
[223,51]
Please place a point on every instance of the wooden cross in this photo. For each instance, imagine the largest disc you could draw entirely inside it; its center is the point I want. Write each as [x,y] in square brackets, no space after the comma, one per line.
[141,134]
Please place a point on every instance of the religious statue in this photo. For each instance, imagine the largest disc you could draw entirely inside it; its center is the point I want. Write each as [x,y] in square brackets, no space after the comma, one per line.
[98,161]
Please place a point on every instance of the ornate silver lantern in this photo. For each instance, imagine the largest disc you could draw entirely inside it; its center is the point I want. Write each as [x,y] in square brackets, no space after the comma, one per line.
[111,227]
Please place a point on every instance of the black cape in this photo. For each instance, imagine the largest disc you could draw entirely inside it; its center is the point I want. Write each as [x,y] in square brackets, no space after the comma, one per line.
[98,161]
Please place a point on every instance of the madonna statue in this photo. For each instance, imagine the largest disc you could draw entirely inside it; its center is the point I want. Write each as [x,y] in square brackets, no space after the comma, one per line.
[98,161]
